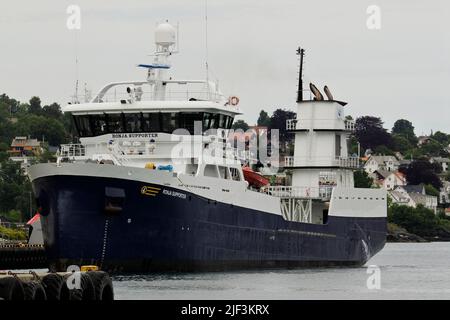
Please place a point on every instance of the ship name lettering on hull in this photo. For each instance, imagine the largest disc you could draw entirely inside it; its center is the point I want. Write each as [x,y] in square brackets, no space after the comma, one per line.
[174,194]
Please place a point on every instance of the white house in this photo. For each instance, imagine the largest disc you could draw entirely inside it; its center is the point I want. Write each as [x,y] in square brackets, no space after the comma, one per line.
[444,193]
[388,180]
[400,198]
[421,140]
[386,163]
[412,196]
[444,162]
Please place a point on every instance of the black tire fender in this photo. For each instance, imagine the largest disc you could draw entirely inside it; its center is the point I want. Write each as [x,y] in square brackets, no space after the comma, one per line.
[103,286]
[34,291]
[86,292]
[11,289]
[56,287]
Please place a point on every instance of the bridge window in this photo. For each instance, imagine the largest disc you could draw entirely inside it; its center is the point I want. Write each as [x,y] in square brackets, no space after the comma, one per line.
[213,121]
[229,122]
[206,120]
[224,173]
[211,171]
[82,125]
[169,122]
[187,121]
[98,124]
[115,122]
[150,122]
[132,122]
[235,175]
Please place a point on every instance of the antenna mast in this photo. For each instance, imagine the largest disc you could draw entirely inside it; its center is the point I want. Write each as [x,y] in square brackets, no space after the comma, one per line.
[206,48]
[301,53]
[76,101]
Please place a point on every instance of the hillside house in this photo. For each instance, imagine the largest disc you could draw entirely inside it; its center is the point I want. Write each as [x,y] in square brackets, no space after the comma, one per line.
[385,163]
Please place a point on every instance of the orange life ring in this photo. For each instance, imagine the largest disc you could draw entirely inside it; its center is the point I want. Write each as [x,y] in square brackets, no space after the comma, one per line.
[234,101]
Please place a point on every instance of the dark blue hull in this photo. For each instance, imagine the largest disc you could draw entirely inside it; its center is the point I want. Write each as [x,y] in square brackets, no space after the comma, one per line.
[159,230]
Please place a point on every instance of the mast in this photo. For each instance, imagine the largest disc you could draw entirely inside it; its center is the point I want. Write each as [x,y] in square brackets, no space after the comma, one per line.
[301,53]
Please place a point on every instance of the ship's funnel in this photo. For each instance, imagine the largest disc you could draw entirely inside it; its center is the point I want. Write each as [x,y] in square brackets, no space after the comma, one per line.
[318,96]
[328,93]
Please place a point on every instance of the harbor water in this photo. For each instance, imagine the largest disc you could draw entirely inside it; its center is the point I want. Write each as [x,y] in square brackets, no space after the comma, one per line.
[406,271]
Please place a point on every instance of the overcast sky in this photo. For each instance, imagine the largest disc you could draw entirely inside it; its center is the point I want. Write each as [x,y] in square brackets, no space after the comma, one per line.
[399,71]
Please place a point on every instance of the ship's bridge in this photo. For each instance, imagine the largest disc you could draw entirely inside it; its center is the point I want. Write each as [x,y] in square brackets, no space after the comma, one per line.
[123,107]
[95,119]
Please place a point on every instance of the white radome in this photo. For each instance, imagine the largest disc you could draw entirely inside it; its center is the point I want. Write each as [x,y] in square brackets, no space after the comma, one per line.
[165,34]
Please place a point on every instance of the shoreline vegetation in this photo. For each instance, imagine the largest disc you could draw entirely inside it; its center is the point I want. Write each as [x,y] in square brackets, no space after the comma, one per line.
[11,234]
[399,234]
[407,224]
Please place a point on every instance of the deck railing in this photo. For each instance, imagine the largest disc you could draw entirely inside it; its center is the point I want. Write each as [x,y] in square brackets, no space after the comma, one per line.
[121,153]
[344,162]
[291,124]
[322,192]
[72,150]
[149,96]
[348,162]
[350,125]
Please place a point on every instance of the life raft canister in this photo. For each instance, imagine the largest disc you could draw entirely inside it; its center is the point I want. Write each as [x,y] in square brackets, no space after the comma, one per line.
[234,101]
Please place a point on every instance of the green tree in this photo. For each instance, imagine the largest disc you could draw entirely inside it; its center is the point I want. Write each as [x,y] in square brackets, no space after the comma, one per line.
[430,190]
[15,191]
[442,138]
[3,152]
[447,176]
[422,171]
[6,126]
[405,128]
[46,156]
[278,121]
[40,127]
[432,149]
[419,220]
[52,111]
[11,105]
[35,106]
[240,124]
[382,149]
[370,132]
[362,179]
[263,119]
[401,143]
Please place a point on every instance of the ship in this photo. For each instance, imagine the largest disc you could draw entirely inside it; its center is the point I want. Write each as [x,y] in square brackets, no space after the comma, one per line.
[153,183]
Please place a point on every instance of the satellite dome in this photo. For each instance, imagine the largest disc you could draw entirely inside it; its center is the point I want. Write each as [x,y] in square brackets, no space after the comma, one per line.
[165,34]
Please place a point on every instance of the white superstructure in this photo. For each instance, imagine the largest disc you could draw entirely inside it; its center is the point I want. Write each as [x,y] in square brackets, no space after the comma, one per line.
[131,123]
[322,170]
[129,128]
